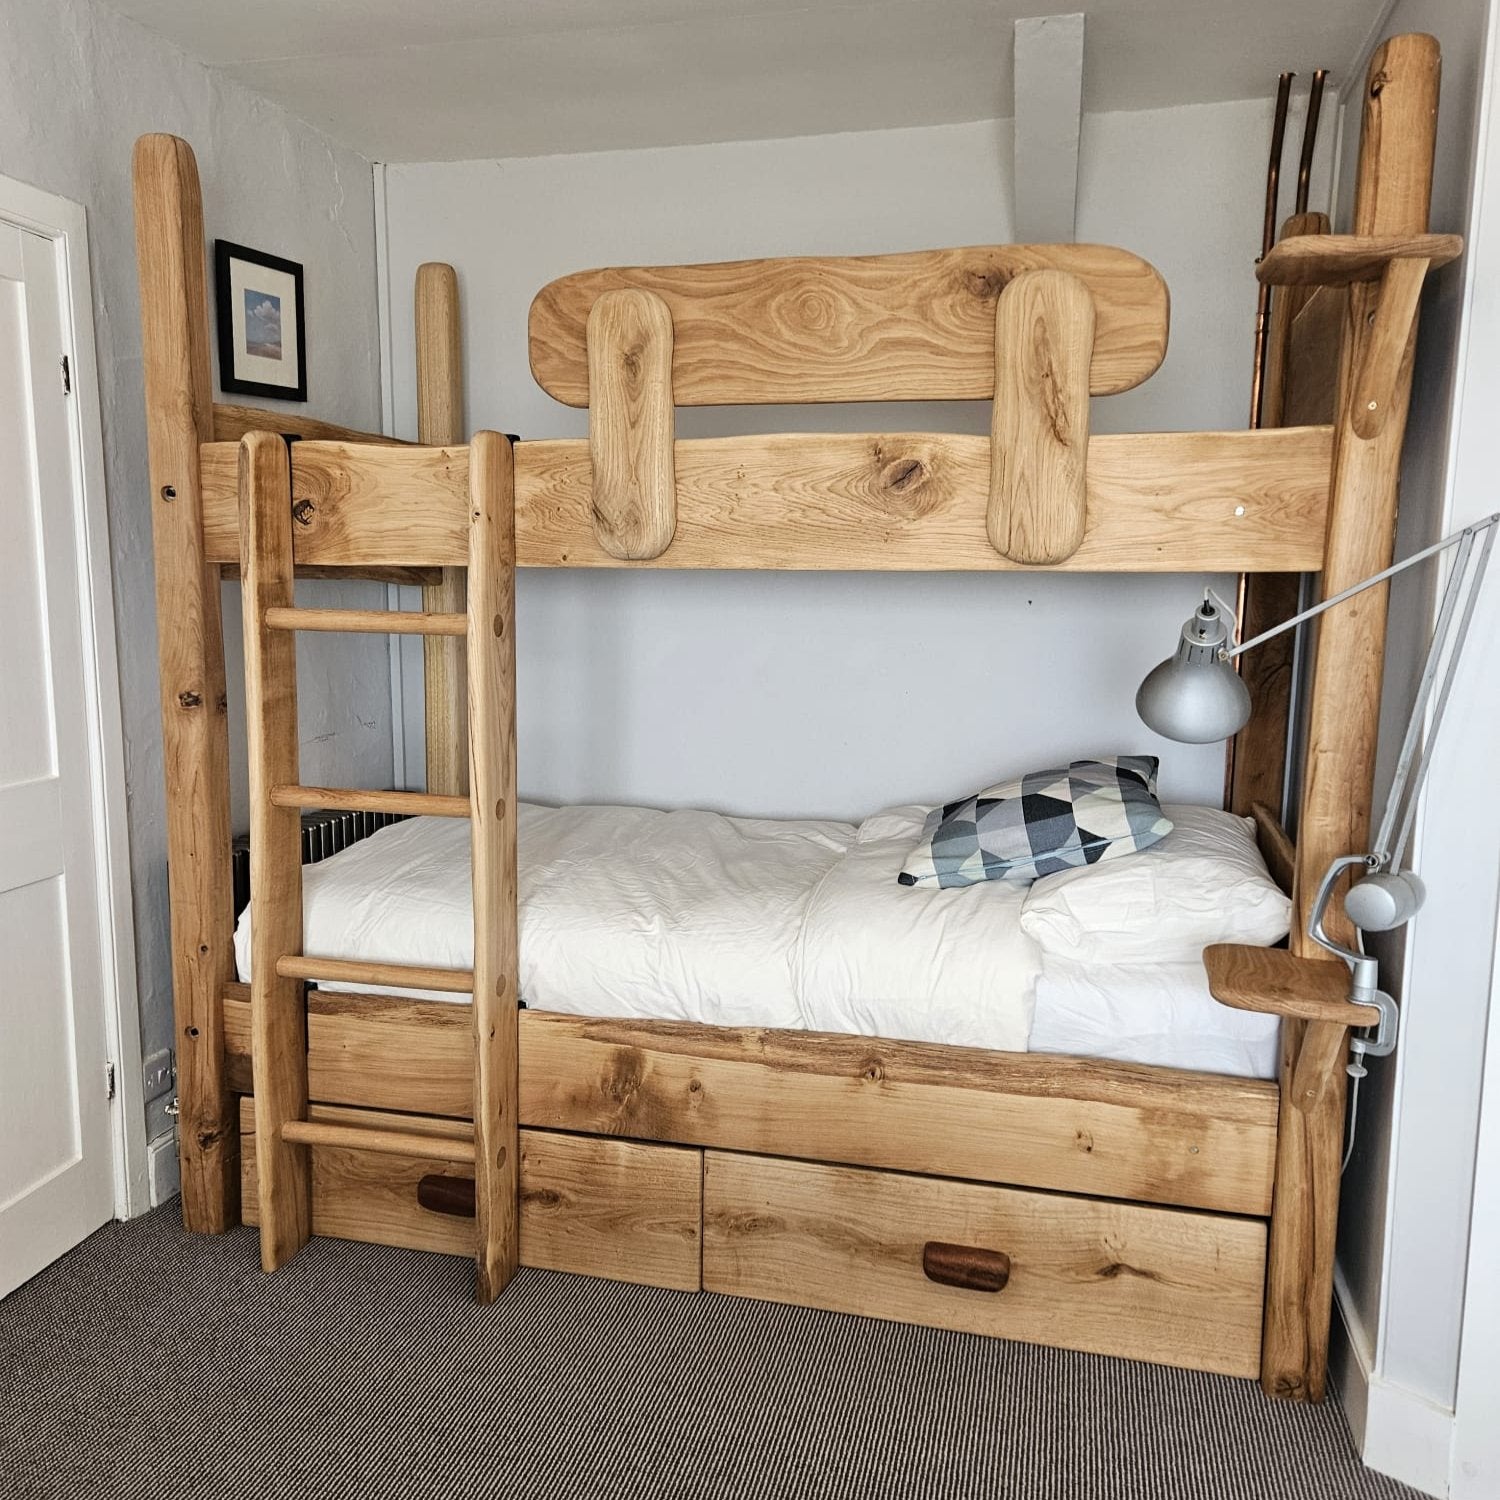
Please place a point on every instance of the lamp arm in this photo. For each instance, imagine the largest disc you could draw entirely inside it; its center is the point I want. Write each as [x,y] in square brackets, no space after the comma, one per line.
[1460,595]
[1229,653]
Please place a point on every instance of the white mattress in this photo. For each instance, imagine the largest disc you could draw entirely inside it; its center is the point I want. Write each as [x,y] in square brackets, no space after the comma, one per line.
[757,922]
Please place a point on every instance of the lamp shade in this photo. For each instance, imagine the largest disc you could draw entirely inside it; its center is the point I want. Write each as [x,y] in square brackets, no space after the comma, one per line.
[1195,697]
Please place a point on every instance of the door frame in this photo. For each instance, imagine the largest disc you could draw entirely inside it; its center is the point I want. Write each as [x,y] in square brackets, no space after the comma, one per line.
[65,223]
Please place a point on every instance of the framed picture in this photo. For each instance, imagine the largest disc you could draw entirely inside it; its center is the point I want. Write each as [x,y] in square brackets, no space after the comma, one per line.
[262,331]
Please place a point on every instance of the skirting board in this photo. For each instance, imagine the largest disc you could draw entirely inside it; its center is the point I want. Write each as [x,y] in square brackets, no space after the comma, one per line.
[163,1168]
[1395,1430]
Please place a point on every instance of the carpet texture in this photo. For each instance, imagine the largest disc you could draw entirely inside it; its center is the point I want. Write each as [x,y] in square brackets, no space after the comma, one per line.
[153,1363]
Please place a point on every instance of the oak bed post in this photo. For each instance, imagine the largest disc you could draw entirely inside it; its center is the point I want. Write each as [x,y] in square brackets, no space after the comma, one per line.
[492,813]
[1392,198]
[440,424]
[195,736]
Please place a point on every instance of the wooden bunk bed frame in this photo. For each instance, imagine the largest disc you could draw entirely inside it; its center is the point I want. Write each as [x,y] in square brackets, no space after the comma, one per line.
[1178,1217]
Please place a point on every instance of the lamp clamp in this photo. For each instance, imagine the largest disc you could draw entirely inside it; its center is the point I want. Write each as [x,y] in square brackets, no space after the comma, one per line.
[1364,972]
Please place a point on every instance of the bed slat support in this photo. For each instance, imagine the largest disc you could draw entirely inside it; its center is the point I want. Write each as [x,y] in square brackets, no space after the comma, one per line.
[278,1027]
[632,424]
[1039,428]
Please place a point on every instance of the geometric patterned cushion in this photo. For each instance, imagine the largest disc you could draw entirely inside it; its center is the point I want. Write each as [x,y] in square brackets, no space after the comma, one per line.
[1041,823]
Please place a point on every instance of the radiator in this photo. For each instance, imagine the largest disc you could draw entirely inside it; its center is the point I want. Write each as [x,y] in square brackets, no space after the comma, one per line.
[323,833]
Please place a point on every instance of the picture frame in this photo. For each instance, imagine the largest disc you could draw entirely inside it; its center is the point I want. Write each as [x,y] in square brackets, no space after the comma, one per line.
[262,323]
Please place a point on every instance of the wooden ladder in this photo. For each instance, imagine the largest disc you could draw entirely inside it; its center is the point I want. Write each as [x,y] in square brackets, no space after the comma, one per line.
[279,966]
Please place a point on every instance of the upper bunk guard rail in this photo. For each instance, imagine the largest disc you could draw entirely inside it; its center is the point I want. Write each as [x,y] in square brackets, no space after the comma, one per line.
[268,520]
[1157,502]
[918,326]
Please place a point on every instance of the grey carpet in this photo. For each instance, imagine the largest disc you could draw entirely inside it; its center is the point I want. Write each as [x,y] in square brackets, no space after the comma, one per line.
[153,1363]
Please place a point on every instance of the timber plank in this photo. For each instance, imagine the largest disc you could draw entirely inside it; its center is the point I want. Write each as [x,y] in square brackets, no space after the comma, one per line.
[1157,502]
[1068,1124]
[618,1209]
[917,326]
[1165,1285]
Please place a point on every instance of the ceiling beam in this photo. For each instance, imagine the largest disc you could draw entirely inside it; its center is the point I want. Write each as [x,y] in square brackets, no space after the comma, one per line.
[1049,101]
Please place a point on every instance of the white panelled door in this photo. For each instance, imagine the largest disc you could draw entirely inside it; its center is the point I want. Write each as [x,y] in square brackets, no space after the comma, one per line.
[56,1148]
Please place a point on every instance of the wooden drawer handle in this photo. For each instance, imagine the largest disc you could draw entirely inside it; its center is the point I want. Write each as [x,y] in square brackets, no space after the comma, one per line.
[447,1195]
[966,1266]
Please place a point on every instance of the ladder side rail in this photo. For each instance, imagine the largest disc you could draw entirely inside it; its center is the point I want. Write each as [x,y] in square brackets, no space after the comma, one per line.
[491,658]
[278,1016]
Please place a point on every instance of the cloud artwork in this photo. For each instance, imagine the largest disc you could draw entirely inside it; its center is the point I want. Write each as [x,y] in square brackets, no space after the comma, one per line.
[262,325]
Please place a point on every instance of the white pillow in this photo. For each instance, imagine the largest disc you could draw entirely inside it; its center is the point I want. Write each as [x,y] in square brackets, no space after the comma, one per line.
[1205,882]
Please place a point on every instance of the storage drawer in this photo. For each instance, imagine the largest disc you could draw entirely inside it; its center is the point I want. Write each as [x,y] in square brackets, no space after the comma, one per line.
[597,1206]
[1169,1285]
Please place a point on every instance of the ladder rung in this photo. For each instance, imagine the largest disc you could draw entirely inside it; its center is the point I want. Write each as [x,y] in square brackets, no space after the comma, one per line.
[386,1142]
[341,799]
[366,621]
[358,971]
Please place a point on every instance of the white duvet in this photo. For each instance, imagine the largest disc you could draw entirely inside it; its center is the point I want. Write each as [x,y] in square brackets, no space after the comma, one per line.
[693,916]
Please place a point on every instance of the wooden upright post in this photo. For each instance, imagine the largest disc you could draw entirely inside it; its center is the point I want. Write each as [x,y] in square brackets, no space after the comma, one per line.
[440,423]
[492,810]
[195,736]
[1392,198]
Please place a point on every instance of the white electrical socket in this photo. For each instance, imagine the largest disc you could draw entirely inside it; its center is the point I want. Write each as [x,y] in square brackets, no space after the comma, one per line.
[159,1075]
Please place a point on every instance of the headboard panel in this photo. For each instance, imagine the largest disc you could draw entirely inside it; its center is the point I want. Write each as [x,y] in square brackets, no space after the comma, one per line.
[907,327]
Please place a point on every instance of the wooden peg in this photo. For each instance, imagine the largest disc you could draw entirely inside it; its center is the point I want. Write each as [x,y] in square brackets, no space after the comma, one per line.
[1039,429]
[1386,348]
[632,424]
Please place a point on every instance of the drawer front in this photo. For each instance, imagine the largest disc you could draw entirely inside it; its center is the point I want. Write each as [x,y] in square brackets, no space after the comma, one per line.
[1166,1285]
[596,1206]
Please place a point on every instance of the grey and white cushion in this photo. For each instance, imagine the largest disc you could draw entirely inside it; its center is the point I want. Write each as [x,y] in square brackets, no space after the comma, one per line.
[1041,823]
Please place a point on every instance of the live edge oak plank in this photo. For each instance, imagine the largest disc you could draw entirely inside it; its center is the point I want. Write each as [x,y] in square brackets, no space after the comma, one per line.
[1157,502]
[1071,1124]
[909,327]
[1277,983]
[596,1207]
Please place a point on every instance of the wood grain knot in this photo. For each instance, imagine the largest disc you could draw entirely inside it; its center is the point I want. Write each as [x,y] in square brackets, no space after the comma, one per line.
[303,512]
[873,1071]
[190,699]
[1117,1268]
[543,1197]
[815,311]
[987,284]
[499,626]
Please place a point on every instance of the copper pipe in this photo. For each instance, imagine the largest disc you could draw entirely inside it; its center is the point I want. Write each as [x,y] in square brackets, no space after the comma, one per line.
[1309,138]
[1267,239]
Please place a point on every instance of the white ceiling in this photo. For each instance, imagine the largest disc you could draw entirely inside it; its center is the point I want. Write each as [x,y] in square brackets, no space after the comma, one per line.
[421,80]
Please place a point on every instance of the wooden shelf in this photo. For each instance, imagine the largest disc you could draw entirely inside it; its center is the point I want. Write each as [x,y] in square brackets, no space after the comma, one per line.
[1278,983]
[1338,259]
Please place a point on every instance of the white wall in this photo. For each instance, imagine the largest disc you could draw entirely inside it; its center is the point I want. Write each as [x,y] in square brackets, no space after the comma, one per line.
[835,694]
[77,85]
[1407,1194]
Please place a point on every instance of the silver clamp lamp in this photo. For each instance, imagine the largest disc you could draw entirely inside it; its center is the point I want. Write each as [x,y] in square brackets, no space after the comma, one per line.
[1196,697]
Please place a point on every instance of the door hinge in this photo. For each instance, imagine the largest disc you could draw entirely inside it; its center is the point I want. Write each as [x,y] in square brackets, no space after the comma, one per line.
[109,1080]
[67,370]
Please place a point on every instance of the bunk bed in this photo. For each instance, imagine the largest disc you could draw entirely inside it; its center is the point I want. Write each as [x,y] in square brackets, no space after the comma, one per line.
[1182,1217]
